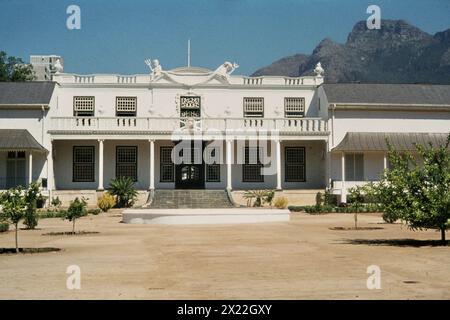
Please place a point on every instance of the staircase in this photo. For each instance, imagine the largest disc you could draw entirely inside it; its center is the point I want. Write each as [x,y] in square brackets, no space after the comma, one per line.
[176,199]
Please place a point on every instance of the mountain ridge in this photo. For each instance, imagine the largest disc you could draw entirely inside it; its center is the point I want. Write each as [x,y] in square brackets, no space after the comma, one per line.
[397,53]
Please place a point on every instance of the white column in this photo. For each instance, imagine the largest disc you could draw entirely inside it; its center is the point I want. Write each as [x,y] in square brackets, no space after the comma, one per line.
[50,171]
[278,154]
[385,161]
[344,189]
[100,165]
[229,152]
[327,165]
[152,164]
[30,167]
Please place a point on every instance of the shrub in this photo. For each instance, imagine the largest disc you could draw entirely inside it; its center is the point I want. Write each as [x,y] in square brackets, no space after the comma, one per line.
[106,202]
[32,197]
[319,199]
[123,188]
[94,212]
[52,214]
[4,226]
[14,207]
[56,202]
[260,196]
[281,203]
[76,210]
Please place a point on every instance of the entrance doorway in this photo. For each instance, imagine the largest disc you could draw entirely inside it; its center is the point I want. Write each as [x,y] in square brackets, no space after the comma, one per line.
[190,173]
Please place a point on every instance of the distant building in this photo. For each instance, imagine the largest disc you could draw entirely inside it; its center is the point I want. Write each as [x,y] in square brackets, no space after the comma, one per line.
[44,66]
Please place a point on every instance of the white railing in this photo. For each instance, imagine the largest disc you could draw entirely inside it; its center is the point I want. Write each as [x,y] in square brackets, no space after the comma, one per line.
[300,125]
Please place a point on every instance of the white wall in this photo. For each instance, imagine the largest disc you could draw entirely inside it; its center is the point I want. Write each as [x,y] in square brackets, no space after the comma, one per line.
[161,102]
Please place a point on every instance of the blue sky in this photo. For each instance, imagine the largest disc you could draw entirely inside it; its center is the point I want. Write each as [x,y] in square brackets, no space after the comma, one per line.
[117,35]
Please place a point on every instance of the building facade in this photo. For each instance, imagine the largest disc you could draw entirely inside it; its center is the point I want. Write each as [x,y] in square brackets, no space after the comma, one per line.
[194,128]
[44,66]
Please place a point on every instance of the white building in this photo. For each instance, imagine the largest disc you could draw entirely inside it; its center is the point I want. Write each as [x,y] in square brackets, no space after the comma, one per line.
[80,131]
[45,66]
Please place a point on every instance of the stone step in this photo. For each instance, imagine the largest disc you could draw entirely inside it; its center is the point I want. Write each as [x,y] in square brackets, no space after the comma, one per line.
[190,199]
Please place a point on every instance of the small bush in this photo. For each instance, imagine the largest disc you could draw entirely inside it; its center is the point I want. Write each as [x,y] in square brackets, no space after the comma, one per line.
[76,210]
[281,203]
[95,211]
[124,189]
[56,202]
[106,202]
[4,227]
[52,214]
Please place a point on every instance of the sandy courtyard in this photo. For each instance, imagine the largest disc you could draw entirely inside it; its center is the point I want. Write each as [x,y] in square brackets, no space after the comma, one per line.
[300,259]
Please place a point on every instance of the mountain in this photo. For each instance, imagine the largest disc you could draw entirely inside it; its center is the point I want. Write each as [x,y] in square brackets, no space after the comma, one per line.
[396,53]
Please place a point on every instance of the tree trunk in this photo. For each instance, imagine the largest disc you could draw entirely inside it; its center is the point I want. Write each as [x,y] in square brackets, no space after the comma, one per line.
[17,245]
[73,226]
[443,236]
[356,220]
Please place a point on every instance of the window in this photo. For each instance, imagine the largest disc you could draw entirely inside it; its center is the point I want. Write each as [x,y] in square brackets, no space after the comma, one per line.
[83,164]
[354,167]
[252,165]
[254,107]
[166,164]
[294,107]
[190,106]
[126,162]
[212,167]
[294,163]
[15,169]
[83,106]
[126,106]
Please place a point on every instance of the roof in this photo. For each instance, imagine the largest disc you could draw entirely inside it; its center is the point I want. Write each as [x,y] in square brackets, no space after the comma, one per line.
[18,139]
[376,141]
[26,93]
[396,94]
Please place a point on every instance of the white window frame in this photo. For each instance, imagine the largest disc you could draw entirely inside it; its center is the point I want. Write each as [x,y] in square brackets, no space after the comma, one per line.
[126,106]
[253,107]
[83,106]
[294,107]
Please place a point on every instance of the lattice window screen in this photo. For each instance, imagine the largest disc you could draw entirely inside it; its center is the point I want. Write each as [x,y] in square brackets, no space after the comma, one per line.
[126,106]
[253,107]
[294,107]
[83,106]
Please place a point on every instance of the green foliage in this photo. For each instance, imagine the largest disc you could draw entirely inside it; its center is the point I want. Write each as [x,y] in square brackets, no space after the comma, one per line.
[52,213]
[94,212]
[319,199]
[418,194]
[260,196]
[14,69]
[14,207]
[56,202]
[123,188]
[365,208]
[4,226]
[106,202]
[32,196]
[77,209]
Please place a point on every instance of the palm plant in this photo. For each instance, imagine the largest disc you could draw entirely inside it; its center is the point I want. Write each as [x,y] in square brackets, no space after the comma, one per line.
[123,188]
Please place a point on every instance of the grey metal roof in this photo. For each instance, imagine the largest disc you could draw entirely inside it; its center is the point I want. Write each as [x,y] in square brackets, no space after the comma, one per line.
[399,94]
[26,93]
[18,139]
[376,141]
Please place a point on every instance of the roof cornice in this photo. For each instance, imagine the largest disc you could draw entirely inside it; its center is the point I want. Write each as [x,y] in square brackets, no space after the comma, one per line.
[32,106]
[390,107]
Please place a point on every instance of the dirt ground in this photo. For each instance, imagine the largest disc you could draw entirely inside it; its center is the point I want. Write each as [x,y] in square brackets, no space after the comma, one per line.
[300,259]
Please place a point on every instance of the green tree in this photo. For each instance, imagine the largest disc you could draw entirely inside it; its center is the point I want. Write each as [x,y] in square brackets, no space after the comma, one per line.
[123,188]
[418,193]
[14,206]
[14,69]
[77,209]
[32,195]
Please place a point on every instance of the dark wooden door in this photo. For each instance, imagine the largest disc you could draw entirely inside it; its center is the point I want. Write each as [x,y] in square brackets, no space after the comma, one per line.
[191,175]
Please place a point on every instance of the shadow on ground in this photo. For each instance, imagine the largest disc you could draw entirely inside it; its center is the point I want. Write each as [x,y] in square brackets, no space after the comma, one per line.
[397,242]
